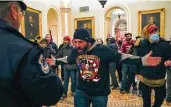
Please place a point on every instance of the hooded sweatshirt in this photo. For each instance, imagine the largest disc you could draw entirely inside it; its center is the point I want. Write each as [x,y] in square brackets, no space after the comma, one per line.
[94,68]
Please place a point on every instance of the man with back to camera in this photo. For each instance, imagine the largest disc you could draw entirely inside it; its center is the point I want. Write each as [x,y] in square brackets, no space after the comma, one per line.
[111,42]
[93,62]
[24,81]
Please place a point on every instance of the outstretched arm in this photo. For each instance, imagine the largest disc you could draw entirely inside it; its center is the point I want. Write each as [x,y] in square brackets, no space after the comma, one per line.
[147,60]
[115,56]
[67,59]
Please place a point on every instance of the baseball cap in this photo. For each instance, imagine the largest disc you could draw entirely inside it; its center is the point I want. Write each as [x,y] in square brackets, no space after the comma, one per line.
[23,5]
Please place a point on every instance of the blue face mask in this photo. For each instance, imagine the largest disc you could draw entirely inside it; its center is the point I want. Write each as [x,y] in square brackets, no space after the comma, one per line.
[155,37]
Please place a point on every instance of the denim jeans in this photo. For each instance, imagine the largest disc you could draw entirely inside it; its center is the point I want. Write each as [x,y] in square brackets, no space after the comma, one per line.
[119,70]
[112,70]
[81,99]
[77,76]
[62,72]
[67,74]
[128,76]
[168,90]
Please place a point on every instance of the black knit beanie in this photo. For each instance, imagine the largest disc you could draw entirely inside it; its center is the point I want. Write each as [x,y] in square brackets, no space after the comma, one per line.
[83,34]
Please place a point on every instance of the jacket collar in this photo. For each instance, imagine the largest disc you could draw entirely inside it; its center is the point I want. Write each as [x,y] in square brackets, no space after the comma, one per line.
[4,25]
[92,46]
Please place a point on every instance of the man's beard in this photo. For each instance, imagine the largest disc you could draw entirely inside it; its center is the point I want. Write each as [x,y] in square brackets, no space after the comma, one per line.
[82,50]
[65,44]
[128,39]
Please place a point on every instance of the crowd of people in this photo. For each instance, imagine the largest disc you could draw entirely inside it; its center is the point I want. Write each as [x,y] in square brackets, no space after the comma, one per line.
[143,79]
[29,75]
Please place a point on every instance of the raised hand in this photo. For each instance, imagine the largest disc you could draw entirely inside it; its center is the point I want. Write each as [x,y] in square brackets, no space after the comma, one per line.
[167,63]
[44,65]
[51,61]
[148,60]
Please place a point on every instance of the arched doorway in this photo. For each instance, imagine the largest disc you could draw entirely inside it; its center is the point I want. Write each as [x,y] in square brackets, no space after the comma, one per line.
[120,28]
[52,22]
[116,21]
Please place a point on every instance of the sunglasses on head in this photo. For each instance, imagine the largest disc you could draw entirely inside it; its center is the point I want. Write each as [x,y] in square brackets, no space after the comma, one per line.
[153,30]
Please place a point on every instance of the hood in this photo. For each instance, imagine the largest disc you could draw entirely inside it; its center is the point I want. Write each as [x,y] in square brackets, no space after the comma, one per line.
[92,47]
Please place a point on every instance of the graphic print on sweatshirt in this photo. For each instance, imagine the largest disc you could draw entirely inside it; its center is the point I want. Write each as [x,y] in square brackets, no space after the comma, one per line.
[89,65]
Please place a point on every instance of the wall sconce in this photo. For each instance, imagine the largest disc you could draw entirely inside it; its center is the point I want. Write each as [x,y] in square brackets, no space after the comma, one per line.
[120,13]
[103,2]
[119,16]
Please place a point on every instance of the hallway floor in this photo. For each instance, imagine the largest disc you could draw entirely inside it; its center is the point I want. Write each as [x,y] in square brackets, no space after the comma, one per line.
[115,100]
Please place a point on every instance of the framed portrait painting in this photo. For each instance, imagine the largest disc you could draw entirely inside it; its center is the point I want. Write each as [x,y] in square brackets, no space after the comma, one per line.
[156,17]
[86,22]
[32,24]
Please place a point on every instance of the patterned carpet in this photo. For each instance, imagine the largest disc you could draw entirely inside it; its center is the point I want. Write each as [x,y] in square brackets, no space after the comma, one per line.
[115,100]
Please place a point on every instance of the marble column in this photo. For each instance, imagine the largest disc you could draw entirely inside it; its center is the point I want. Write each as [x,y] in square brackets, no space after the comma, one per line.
[66,21]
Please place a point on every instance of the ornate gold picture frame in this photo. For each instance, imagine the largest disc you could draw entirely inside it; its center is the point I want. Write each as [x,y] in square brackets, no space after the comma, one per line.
[156,16]
[31,26]
[85,22]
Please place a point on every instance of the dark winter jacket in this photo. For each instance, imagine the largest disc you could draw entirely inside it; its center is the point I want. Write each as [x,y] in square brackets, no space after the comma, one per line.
[23,83]
[60,46]
[111,42]
[161,49]
[54,46]
[48,51]
[66,51]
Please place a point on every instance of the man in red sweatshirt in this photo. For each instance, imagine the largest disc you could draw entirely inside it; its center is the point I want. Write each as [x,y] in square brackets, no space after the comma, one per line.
[128,74]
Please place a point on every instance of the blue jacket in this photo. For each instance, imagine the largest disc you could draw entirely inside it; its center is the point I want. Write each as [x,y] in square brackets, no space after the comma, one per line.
[22,80]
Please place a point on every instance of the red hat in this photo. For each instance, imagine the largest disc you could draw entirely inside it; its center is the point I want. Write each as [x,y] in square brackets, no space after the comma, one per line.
[67,38]
[151,28]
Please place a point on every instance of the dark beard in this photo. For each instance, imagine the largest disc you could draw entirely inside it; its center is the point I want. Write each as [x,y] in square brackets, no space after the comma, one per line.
[65,45]
[83,49]
[128,39]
